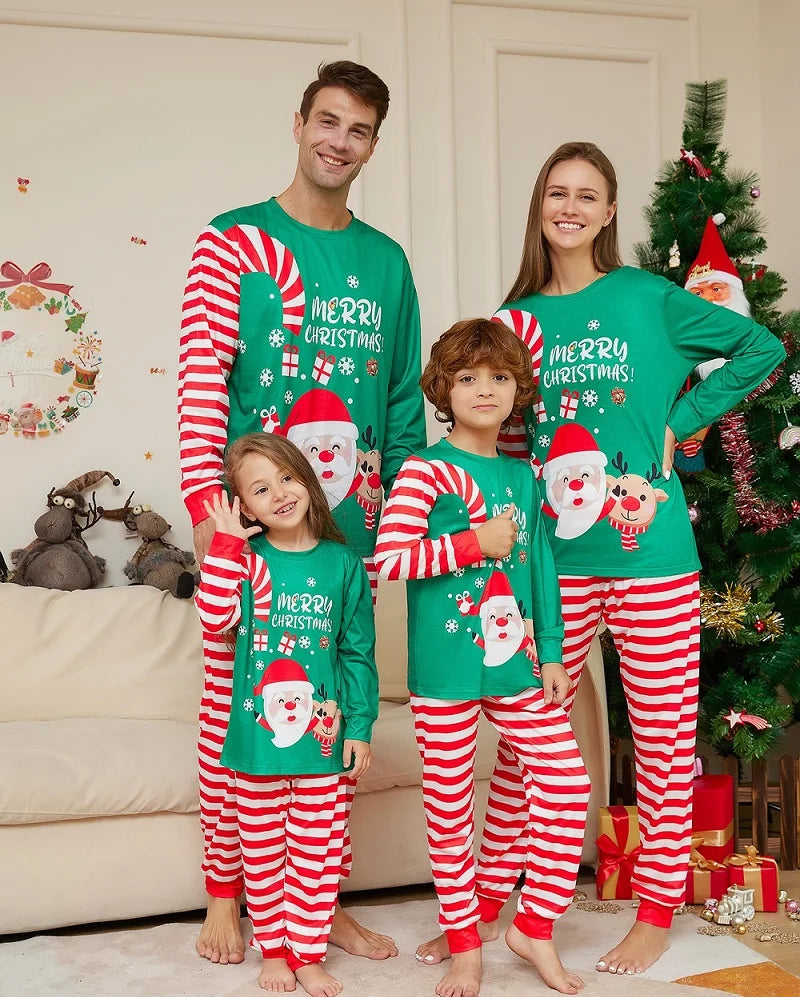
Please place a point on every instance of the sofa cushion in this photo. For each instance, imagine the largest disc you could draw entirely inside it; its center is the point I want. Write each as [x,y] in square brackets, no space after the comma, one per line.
[395,756]
[132,652]
[71,769]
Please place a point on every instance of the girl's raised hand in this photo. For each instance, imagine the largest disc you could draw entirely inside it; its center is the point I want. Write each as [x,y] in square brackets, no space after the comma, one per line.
[225,517]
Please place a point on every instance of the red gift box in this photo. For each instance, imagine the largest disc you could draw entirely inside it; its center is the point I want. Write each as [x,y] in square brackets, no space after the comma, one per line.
[706,877]
[755,872]
[617,850]
[712,815]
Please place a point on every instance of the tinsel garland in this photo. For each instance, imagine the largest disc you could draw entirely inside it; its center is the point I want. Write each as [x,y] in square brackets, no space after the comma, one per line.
[753,510]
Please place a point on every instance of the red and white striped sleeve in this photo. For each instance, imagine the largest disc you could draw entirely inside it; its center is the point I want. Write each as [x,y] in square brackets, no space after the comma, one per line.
[219,594]
[513,441]
[402,549]
[208,348]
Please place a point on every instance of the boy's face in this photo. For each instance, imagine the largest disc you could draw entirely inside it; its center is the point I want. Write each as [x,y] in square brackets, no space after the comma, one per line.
[482,397]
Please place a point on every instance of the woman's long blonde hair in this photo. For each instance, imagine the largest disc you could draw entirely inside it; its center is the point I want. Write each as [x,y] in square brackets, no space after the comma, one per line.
[285,456]
[535,268]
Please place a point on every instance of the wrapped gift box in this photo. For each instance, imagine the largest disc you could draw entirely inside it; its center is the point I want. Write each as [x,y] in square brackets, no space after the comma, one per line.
[758,873]
[617,850]
[712,815]
[706,877]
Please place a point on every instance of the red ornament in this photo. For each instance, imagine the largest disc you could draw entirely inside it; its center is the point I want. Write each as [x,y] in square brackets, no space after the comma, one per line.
[696,163]
[759,626]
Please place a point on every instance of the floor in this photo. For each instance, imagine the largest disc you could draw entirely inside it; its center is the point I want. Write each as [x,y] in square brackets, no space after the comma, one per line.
[785,955]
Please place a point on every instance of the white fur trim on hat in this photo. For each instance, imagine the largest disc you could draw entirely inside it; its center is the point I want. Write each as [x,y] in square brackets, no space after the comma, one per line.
[595,458]
[303,430]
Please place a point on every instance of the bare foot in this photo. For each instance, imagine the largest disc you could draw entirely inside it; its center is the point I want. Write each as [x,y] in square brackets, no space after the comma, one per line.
[220,937]
[541,954]
[316,982]
[437,949]
[348,934]
[638,950]
[276,977]
[463,979]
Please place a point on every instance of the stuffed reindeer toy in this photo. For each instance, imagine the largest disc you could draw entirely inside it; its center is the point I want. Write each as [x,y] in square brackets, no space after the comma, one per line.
[58,558]
[155,562]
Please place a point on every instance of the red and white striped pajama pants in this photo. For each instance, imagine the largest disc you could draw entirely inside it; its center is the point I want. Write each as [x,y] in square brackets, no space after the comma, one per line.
[291,832]
[655,623]
[556,796]
[222,860]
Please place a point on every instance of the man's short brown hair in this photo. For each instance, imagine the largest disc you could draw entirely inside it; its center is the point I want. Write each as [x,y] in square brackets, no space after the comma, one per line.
[477,342]
[357,80]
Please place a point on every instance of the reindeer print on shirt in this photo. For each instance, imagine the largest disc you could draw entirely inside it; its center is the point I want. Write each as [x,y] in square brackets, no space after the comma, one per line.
[636,501]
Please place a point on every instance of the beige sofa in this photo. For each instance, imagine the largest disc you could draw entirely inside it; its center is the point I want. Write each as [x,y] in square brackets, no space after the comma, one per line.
[98,786]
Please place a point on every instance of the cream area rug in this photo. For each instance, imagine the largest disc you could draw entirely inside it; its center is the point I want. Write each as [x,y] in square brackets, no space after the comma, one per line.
[160,961]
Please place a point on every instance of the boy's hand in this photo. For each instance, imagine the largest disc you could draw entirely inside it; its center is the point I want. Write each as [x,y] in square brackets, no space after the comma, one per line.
[359,753]
[496,537]
[555,682]
[226,517]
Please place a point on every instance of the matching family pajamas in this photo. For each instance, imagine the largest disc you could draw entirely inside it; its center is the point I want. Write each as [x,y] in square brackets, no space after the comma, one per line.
[303,680]
[314,335]
[610,362]
[477,630]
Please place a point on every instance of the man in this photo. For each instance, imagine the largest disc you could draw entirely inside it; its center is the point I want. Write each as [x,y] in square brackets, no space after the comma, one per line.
[298,319]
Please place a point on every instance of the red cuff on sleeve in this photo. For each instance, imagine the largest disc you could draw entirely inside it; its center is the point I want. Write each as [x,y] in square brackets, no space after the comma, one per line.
[194,503]
[226,545]
[467,548]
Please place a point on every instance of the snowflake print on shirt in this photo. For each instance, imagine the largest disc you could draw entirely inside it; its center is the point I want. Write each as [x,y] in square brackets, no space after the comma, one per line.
[242,631]
[593,325]
[248,704]
[241,345]
[458,572]
[451,626]
[267,377]
[509,493]
[304,642]
[276,337]
[479,583]
[544,440]
[311,582]
[346,366]
[589,398]
[352,281]
[289,397]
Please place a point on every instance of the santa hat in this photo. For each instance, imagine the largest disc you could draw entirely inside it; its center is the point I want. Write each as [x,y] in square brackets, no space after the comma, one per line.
[498,587]
[572,444]
[283,675]
[713,262]
[319,412]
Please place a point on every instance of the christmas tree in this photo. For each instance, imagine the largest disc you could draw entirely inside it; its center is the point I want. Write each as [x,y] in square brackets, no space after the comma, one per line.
[741,479]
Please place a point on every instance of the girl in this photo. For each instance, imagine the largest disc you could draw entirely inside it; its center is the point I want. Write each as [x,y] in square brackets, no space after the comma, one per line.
[305,696]
[462,524]
[615,346]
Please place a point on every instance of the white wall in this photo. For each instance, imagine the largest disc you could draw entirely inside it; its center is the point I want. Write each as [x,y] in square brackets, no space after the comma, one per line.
[146,119]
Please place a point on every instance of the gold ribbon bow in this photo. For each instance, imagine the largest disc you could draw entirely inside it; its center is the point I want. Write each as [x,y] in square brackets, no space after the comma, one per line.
[751,858]
[698,861]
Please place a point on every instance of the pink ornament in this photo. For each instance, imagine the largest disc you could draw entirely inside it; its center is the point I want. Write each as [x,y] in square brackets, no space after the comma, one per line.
[791,906]
[755,192]
[695,515]
[711,903]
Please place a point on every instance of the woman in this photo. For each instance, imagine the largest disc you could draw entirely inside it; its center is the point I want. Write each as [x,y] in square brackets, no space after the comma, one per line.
[614,346]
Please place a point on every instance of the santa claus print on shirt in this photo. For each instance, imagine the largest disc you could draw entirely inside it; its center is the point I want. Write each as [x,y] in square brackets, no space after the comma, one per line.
[503,630]
[575,481]
[320,426]
[288,702]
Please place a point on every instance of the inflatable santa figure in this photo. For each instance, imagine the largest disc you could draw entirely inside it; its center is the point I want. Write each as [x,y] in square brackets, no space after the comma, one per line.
[288,702]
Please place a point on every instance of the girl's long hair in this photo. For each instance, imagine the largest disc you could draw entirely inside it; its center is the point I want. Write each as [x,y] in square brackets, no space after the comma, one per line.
[535,268]
[286,457]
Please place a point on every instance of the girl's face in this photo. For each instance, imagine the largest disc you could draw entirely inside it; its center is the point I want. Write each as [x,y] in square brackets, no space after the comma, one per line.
[271,495]
[482,397]
[575,205]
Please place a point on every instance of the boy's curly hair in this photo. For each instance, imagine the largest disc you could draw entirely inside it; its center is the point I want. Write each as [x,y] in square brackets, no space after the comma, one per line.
[471,343]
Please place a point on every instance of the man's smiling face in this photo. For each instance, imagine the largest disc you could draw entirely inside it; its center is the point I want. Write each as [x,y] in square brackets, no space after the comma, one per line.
[336,141]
